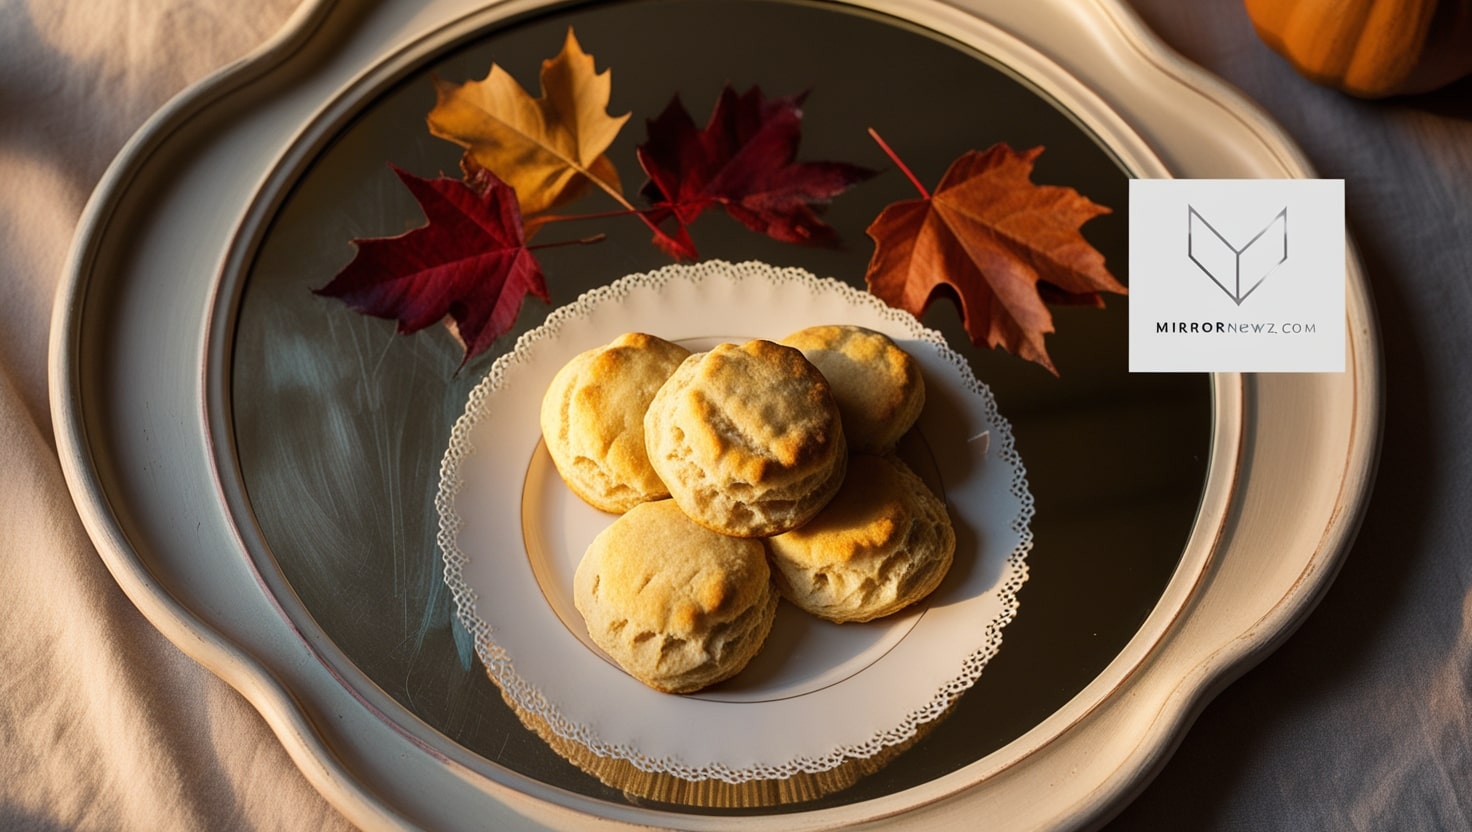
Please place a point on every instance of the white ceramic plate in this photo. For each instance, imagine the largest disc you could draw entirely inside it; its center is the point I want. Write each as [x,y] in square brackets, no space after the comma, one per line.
[822,693]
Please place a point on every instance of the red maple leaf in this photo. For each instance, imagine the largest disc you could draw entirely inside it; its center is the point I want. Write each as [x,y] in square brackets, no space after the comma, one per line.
[470,262]
[743,160]
[1003,245]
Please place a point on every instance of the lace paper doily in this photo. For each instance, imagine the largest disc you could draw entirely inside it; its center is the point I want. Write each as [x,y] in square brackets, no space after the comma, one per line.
[860,693]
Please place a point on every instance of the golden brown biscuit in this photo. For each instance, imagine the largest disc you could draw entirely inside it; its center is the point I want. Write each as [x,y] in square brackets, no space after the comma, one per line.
[748,439]
[877,385]
[593,419]
[676,605]
[882,544]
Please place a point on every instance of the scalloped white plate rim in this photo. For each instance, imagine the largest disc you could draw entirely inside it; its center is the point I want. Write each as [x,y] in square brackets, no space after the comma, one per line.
[548,671]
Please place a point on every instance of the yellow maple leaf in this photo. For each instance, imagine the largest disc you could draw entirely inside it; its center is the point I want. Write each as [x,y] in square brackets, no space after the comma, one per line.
[549,148]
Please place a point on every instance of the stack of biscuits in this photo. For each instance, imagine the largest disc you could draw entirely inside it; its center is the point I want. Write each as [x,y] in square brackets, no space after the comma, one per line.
[742,474]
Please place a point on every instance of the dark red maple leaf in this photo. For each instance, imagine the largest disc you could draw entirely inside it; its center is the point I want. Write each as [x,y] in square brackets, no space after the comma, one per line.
[743,160]
[470,263]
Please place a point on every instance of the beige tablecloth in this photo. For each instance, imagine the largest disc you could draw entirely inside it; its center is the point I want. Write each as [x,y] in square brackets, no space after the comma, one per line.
[104,724]
[1361,721]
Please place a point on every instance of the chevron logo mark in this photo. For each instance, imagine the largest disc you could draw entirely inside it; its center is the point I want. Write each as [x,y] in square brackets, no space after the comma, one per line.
[1237,270]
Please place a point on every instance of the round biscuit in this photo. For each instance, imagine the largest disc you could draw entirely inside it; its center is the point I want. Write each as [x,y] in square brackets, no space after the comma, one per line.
[747,438]
[592,420]
[677,606]
[877,385]
[883,543]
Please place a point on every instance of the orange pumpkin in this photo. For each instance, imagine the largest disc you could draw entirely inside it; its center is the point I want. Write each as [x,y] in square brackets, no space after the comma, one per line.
[1370,48]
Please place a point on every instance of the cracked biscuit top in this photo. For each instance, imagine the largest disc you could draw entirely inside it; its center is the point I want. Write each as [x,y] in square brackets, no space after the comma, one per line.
[747,438]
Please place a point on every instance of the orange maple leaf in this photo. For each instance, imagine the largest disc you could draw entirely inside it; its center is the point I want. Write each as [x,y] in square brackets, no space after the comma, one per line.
[1001,243]
[548,149]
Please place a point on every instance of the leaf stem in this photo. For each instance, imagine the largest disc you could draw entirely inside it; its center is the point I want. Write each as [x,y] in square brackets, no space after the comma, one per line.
[894,157]
[600,215]
[676,246]
[611,191]
[584,241]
